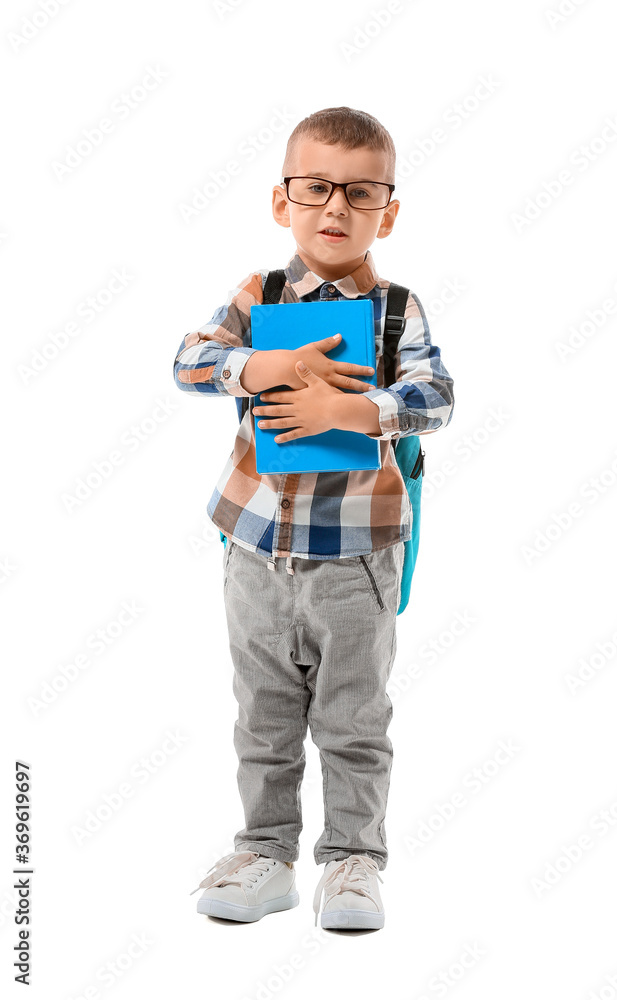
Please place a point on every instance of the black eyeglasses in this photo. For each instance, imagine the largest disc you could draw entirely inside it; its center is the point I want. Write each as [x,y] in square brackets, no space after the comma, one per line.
[369,196]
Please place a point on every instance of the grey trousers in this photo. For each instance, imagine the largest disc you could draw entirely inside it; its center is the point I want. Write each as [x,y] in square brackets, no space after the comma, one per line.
[314,647]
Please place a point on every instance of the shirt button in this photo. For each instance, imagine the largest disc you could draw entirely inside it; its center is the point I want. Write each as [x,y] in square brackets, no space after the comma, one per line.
[331,289]
[285,503]
[226,373]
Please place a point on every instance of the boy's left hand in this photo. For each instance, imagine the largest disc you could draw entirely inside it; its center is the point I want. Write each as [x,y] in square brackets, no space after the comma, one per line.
[308,411]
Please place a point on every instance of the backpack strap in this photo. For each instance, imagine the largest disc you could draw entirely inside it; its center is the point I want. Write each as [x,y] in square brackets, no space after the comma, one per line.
[394,325]
[273,289]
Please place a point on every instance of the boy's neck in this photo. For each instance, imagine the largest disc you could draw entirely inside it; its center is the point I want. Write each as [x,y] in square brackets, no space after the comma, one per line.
[330,271]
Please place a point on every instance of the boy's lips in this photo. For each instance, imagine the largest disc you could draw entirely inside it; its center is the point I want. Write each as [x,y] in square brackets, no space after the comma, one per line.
[331,237]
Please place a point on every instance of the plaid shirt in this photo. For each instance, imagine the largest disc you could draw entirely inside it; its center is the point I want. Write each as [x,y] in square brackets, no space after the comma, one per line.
[317,515]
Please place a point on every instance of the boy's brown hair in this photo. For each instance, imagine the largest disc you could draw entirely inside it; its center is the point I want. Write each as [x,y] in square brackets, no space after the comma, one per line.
[344,127]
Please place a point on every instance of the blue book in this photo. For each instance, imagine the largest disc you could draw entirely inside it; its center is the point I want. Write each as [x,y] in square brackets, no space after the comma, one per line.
[290,325]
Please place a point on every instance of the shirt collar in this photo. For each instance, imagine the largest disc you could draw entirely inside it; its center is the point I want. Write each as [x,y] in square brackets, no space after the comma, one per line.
[359,282]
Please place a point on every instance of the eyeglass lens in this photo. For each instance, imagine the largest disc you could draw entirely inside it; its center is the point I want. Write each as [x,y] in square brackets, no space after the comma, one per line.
[361,194]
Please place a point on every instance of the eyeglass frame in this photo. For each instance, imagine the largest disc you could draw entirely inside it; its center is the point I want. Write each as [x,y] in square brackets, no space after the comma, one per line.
[335,185]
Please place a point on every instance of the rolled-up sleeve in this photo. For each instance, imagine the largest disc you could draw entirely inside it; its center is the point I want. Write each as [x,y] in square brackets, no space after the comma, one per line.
[421,399]
[210,360]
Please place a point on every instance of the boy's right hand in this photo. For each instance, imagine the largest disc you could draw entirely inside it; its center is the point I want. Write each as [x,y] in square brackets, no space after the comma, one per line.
[339,374]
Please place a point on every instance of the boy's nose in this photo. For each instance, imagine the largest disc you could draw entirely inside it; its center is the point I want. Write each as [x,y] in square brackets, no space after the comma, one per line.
[338,204]
[337,200]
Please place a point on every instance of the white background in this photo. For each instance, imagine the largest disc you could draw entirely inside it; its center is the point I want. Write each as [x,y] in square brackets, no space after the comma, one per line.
[538,598]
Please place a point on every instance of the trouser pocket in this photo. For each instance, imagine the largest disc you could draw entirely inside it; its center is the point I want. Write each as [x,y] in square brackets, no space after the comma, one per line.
[229,548]
[371,583]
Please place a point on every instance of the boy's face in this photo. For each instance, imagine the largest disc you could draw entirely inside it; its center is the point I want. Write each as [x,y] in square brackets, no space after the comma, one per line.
[333,260]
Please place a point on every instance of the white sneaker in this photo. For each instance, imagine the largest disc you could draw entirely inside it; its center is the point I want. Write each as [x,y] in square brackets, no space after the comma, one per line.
[245,886]
[352,894]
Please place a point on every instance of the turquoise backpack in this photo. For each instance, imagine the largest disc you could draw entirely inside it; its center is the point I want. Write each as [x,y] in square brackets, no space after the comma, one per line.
[407,450]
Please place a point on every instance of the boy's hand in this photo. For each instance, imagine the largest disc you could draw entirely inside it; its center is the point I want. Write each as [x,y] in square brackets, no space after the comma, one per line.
[309,411]
[338,374]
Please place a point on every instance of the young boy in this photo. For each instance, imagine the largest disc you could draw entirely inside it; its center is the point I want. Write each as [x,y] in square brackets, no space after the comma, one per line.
[313,641]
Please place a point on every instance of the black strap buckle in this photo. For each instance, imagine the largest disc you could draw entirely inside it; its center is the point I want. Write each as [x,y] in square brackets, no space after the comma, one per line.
[395,324]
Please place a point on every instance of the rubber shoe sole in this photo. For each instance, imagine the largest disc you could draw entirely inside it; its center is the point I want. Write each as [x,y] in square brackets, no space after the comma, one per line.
[351,919]
[234,911]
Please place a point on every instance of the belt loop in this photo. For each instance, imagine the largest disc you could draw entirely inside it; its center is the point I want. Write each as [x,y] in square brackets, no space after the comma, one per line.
[272,563]
[289,566]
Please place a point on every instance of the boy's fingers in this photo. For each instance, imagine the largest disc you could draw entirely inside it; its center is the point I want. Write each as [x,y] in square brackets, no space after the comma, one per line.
[357,383]
[327,343]
[359,369]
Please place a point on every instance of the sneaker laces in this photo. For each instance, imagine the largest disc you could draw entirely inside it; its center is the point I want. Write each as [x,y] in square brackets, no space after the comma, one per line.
[350,874]
[227,870]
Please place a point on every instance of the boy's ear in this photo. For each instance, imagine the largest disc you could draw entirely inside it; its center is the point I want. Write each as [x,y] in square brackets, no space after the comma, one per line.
[387,222]
[280,209]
